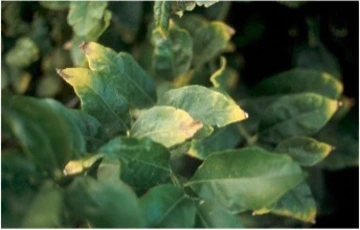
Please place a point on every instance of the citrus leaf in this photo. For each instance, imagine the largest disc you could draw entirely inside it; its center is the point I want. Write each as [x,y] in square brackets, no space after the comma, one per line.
[163,57]
[99,97]
[84,16]
[46,208]
[306,151]
[297,203]
[166,206]
[191,22]
[206,105]
[144,163]
[248,178]
[44,135]
[55,5]
[224,138]
[213,215]
[124,72]
[224,77]
[162,15]
[296,115]
[109,169]
[104,204]
[23,53]
[166,125]
[301,80]
[210,40]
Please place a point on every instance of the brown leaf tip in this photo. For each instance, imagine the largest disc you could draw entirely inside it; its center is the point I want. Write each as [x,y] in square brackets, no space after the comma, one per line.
[85,47]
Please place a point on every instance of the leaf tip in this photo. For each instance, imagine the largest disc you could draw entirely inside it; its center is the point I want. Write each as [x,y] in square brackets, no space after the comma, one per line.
[61,73]
[333,148]
[246,115]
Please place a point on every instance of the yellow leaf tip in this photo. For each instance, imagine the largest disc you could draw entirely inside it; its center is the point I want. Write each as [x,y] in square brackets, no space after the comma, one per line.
[61,73]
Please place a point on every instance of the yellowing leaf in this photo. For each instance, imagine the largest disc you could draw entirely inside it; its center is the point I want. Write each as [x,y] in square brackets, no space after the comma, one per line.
[206,105]
[166,125]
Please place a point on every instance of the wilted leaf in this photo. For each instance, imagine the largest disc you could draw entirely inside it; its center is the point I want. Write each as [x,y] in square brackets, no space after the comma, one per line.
[224,77]
[144,163]
[46,208]
[301,80]
[166,206]
[297,203]
[221,139]
[84,16]
[104,204]
[213,215]
[247,178]
[296,115]
[210,40]
[206,105]
[166,125]
[306,151]
[23,53]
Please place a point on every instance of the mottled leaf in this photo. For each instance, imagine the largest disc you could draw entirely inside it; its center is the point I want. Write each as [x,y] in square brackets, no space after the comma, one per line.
[99,97]
[46,208]
[306,151]
[166,206]
[206,105]
[104,204]
[297,203]
[144,163]
[247,178]
[210,40]
[84,16]
[133,82]
[23,53]
[213,215]
[166,125]
[301,80]
[296,115]
[221,139]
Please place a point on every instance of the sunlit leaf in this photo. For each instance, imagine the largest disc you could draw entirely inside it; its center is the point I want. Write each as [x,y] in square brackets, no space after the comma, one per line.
[166,206]
[247,178]
[166,125]
[206,105]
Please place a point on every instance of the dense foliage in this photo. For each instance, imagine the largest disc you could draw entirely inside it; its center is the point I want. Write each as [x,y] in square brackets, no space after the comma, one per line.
[164,133]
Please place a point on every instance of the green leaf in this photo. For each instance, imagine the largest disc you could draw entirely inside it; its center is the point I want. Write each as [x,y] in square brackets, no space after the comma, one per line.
[306,151]
[301,80]
[133,82]
[210,40]
[297,203]
[296,115]
[166,206]
[84,16]
[213,215]
[100,97]
[48,86]
[23,53]
[109,169]
[144,163]
[206,105]
[224,78]
[46,208]
[162,15]
[44,135]
[248,178]
[317,57]
[166,125]
[172,54]
[221,139]
[55,5]
[104,204]
[191,22]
